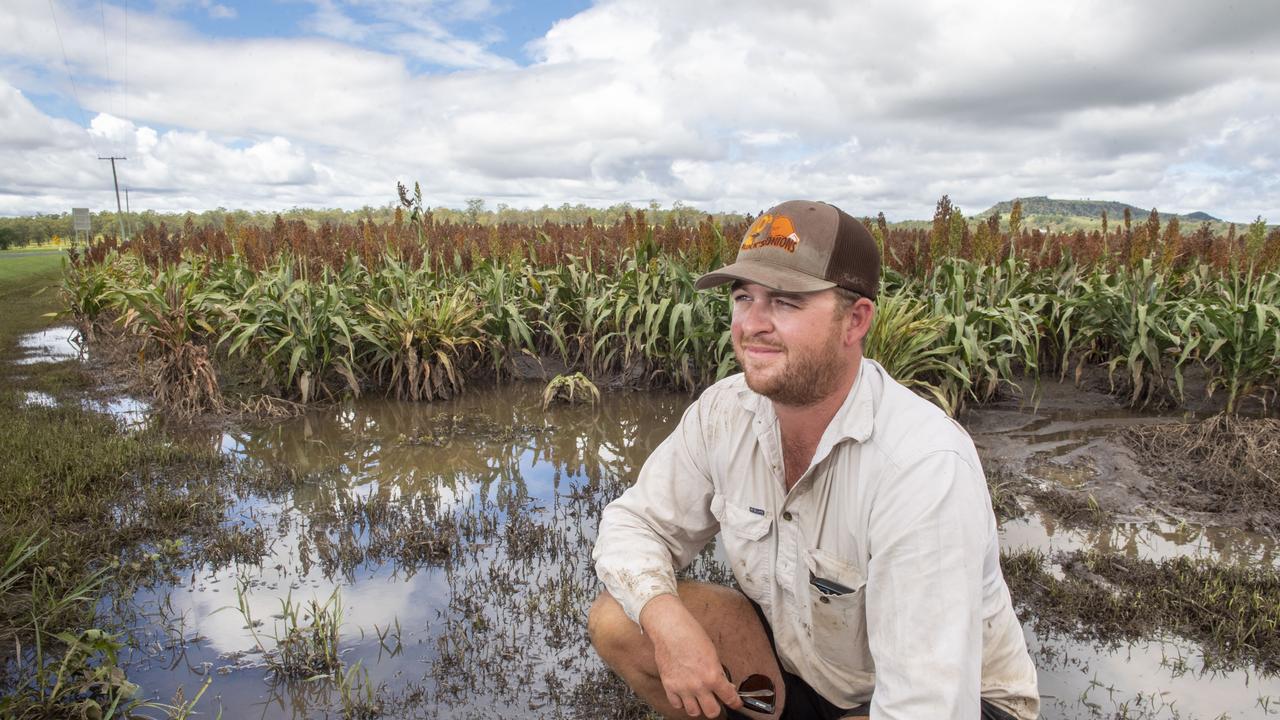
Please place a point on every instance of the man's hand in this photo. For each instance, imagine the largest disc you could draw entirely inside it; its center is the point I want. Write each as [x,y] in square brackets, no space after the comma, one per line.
[687,659]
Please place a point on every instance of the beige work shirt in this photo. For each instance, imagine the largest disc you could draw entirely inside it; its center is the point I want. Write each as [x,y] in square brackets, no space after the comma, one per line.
[894,507]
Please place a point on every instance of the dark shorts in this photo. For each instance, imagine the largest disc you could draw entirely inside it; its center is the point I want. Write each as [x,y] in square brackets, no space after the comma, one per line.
[804,703]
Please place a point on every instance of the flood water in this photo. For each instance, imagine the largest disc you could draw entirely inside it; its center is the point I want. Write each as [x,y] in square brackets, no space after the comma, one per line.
[456,536]
[50,345]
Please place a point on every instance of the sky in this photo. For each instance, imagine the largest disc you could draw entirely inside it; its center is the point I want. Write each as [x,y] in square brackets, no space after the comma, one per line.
[727,106]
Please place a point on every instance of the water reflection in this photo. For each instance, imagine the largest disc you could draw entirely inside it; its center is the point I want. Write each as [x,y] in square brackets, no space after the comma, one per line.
[1148,539]
[54,344]
[1161,678]
[465,525]
[35,398]
[458,535]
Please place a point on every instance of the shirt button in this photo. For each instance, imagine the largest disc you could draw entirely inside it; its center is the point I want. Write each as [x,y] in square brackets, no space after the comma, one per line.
[786,515]
[824,599]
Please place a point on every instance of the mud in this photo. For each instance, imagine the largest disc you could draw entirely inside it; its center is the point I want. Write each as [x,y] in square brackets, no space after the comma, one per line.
[1080,455]
[1222,464]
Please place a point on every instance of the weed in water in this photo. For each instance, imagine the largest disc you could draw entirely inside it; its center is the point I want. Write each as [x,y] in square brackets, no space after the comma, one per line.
[575,388]
[304,640]
[85,681]
[358,696]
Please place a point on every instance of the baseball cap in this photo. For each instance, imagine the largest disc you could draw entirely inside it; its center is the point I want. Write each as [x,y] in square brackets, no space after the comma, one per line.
[803,246]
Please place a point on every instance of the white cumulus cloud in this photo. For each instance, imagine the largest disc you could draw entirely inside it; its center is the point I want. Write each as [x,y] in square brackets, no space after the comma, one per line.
[723,105]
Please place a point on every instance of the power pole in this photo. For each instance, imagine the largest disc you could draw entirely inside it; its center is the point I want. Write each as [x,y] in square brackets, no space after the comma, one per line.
[119,210]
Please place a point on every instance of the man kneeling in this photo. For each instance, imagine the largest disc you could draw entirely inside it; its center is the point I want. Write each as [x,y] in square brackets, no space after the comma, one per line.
[855,516]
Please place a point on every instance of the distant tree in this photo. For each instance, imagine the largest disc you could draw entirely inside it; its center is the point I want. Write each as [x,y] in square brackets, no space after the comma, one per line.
[475,206]
[8,238]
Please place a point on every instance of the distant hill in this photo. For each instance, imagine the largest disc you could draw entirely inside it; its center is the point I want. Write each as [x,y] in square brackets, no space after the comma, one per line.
[1201,216]
[1054,214]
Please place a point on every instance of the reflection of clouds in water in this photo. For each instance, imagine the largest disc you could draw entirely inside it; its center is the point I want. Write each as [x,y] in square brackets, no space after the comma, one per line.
[39,399]
[1147,668]
[133,414]
[369,489]
[539,477]
[51,345]
[233,444]
[1151,539]
[455,495]
[380,597]
[487,472]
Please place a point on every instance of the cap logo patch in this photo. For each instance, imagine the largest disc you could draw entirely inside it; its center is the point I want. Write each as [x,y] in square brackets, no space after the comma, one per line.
[770,231]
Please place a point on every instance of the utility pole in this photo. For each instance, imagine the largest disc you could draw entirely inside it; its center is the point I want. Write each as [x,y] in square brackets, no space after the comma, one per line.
[119,210]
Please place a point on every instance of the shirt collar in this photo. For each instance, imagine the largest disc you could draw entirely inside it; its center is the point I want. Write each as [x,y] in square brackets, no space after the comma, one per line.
[854,420]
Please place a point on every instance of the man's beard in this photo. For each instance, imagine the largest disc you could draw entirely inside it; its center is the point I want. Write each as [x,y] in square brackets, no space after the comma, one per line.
[803,379]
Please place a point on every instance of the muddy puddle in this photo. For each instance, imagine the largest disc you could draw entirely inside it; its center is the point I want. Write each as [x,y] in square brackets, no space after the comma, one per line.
[53,344]
[456,537]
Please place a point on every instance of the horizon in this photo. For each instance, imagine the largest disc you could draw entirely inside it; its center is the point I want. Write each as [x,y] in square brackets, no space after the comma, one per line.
[495,212]
[723,107]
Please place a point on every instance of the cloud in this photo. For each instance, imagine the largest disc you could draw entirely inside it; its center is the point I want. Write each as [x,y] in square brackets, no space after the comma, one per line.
[414,29]
[726,105]
[220,12]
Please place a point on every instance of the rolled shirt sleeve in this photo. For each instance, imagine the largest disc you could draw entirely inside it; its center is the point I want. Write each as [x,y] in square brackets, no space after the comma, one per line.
[925,589]
[661,523]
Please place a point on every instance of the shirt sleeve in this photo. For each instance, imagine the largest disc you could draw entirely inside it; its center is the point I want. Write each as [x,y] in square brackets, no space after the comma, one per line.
[661,523]
[928,535]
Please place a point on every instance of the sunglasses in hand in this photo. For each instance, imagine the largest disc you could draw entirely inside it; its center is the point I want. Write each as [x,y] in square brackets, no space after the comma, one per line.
[756,692]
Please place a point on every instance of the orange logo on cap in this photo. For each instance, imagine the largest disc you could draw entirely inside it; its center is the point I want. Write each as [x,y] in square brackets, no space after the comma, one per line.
[781,233]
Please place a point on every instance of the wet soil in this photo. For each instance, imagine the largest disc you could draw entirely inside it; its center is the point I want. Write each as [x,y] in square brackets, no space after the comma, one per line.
[1088,460]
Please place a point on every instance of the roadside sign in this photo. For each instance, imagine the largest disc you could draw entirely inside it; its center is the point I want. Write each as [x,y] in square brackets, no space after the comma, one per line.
[80,218]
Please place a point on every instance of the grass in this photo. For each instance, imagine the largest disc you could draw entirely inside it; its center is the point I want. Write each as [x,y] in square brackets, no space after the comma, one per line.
[1229,610]
[304,639]
[22,268]
[84,507]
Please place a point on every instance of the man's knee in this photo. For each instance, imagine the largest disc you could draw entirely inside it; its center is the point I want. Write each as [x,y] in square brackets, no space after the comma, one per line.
[608,626]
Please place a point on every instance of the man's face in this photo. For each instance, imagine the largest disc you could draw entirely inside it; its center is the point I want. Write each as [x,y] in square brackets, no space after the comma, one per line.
[790,345]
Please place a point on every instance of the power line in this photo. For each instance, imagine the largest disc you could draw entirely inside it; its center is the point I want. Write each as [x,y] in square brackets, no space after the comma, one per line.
[126,59]
[106,57]
[75,93]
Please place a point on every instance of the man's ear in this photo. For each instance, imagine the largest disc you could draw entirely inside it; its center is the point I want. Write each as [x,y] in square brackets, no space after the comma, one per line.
[858,321]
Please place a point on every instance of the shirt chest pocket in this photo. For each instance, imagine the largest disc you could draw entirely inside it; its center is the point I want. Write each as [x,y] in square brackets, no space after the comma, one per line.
[746,536]
[838,611]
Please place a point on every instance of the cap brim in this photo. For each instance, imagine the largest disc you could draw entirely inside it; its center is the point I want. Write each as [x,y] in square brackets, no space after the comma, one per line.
[768,275]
